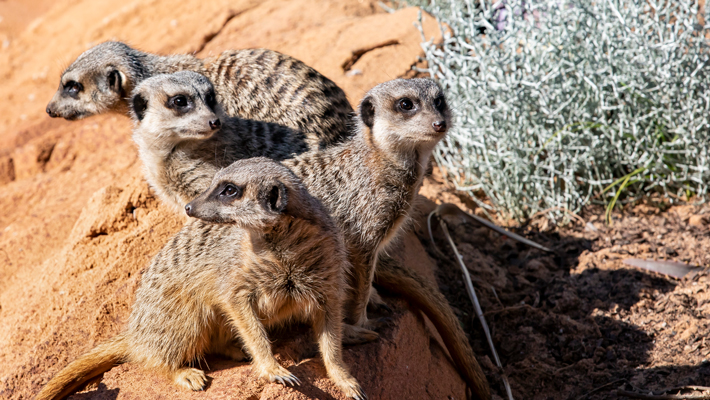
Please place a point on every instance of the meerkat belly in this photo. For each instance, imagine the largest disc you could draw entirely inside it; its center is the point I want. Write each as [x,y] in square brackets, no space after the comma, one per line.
[281,306]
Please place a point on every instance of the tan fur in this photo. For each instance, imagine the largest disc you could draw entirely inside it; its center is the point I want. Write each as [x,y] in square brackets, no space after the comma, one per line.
[261,255]
[257,84]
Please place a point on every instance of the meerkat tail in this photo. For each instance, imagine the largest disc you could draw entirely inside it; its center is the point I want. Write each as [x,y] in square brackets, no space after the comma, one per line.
[89,366]
[413,288]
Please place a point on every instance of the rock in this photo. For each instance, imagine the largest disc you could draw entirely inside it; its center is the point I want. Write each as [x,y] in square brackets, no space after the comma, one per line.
[697,220]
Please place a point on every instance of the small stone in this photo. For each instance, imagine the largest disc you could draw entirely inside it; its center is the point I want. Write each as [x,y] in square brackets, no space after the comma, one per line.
[697,220]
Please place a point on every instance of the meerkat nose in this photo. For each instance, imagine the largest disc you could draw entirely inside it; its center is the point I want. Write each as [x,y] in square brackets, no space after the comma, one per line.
[188,210]
[215,124]
[439,126]
[51,114]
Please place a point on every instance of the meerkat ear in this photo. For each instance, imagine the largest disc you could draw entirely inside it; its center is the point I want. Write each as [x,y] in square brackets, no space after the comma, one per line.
[115,81]
[140,104]
[367,112]
[277,198]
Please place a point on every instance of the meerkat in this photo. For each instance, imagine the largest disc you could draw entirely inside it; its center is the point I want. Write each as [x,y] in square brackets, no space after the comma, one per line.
[184,138]
[257,84]
[368,184]
[260,251]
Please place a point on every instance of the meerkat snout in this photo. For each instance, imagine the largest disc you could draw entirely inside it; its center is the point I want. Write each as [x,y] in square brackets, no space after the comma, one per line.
[439,126]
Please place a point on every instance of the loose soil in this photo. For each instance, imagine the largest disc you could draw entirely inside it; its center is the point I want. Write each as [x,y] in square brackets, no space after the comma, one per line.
[578,323]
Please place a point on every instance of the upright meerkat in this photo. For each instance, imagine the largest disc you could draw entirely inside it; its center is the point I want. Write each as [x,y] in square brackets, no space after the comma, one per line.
[184,137]
[368,185]
[263,252]
[256,84]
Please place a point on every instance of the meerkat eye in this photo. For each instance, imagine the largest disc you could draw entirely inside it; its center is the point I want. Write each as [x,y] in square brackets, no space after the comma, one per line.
[440,103]
[406,104]
[179,101]
[73,88]
[230,191]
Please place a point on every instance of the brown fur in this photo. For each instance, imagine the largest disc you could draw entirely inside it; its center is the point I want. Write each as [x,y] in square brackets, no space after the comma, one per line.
[256,84]
[265,253]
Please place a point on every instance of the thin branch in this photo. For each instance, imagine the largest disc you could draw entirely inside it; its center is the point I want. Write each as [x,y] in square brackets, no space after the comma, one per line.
[451,209]
[477,307]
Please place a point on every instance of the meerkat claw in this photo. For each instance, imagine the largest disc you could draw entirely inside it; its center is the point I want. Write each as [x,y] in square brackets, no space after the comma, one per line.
[285,378]
[191,378]
[293,381]
[356,392]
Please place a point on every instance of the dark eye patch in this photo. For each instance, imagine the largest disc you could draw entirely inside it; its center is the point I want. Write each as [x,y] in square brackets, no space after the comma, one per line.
[405,104]
[230,192]
[211,100]
[440,103]
[72,88]
[180,102]
[140,104]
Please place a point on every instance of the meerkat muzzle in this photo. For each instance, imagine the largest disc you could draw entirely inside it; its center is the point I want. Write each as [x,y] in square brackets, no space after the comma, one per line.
[215,124]
[439,126]
[51,113]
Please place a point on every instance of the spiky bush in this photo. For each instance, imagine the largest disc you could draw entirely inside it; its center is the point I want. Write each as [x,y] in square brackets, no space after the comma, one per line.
[556,101]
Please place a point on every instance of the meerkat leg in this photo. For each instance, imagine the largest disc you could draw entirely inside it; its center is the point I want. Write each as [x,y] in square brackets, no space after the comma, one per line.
[357,304]
[189,378]
[257,344]
[233,350]
[327,326]
[376,303]
[224,342]
[358,335]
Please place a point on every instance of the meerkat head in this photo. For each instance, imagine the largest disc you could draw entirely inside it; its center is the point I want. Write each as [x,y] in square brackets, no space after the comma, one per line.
[253,193]
[405,113]
[97,81]
[174,107]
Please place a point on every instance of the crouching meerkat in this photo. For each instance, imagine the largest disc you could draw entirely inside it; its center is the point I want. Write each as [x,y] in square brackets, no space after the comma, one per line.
[184,137]
[256,84]
[368,185]
[261,252]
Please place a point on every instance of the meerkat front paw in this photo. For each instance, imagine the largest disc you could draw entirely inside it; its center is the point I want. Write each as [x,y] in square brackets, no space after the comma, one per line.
[190,378]
[280,375]
[358,335]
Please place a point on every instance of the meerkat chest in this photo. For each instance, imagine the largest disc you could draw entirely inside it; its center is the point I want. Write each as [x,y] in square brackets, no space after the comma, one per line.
[400,194]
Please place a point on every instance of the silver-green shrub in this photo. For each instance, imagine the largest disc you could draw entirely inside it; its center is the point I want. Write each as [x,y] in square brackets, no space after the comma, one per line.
[555,100]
